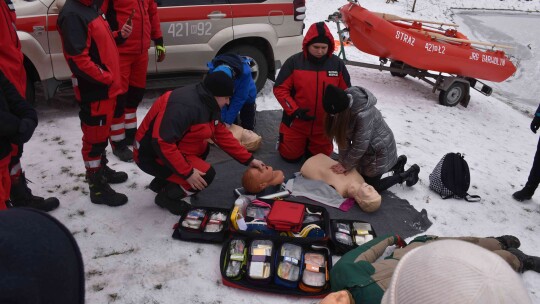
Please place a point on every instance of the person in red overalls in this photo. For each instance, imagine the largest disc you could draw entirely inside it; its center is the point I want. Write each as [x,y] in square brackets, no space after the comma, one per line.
[133,66]
[92,56]
[11,64]
[171,143]
[299,89]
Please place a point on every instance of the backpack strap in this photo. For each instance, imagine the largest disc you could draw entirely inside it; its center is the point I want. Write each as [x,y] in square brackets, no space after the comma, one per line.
[472,198]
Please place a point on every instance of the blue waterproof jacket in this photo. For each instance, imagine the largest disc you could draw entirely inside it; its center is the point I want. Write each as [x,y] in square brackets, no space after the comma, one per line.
[245,90]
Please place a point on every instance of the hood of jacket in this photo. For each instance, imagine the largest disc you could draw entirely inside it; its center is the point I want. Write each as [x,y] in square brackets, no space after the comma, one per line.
[232,60]
[363,99]
[316,30]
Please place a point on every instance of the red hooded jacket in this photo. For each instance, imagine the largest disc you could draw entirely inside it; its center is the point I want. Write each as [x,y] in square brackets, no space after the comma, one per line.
[11,57]
[301,82]
[90,50]
[145,21]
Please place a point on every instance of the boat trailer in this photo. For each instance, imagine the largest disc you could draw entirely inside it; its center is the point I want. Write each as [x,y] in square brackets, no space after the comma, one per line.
[454,89]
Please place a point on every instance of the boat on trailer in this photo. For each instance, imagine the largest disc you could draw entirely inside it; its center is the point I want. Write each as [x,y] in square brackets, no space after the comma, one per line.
[414,48]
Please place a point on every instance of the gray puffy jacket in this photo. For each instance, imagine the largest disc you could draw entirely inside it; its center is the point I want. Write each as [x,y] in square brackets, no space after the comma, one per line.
[372,148]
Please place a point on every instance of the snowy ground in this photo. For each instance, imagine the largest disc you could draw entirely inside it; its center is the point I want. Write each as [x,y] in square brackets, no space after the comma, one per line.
[128,251]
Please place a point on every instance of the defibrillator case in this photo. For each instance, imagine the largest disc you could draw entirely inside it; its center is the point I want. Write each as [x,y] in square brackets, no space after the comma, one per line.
[203,224]
[314,226]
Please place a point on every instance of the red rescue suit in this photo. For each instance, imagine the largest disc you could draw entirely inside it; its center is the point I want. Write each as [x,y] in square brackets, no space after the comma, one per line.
[300,85]
[11,64]
[92,56]
[172,138]
[11,57]
[133,59]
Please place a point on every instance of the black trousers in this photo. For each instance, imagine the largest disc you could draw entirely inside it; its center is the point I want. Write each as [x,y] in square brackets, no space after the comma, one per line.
[534,175]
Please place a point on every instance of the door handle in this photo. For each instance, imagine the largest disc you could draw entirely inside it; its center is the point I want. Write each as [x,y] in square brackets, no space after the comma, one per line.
[216,15]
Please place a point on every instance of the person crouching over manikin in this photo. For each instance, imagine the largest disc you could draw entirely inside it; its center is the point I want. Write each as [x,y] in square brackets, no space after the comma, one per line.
[255,180]
[349,185]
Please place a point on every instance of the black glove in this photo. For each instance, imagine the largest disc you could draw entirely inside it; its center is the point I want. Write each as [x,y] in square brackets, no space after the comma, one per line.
[535,124]
[302,114]
[26,129]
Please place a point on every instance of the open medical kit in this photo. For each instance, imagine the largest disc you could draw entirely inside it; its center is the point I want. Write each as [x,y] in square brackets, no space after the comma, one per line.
[349,234]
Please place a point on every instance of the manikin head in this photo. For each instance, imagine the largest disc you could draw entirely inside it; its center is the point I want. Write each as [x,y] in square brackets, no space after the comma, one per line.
[256,180]
[247,138]
[365,195]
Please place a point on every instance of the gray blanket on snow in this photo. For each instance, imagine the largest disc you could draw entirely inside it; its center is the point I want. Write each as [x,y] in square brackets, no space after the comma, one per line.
[396,215]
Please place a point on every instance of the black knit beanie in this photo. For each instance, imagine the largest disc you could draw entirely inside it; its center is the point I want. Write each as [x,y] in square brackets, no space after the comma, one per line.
[219,84]
[335,100]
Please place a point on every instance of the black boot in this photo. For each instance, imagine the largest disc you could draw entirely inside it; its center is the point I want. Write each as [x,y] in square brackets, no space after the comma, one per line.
[121,150]
[170,198]
[157,184]
[508,241]
[112,176]
[130,136]
[101,193]
[526,193]
[528,262]
[399,167]
[21,196]
[410,177]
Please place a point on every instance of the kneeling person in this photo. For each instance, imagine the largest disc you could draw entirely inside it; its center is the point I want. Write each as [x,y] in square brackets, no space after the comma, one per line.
[171,143]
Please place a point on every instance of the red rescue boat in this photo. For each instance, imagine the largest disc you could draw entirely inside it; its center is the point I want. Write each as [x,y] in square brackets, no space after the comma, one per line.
[445,51]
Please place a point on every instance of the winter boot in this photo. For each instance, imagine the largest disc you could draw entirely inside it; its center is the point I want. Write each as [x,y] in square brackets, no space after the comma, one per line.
[157,184]
[121,150]
[526,193]
[410,177]
[170,198]
[130,136]
[508,241]
[112,176]
[528,262]
[101,193]
[399,167]
[21,196]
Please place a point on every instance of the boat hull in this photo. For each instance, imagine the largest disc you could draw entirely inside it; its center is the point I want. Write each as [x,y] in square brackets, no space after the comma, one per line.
[414,46]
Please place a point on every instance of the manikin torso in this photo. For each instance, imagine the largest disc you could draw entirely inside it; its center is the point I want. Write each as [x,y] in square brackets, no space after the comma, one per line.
[318,167]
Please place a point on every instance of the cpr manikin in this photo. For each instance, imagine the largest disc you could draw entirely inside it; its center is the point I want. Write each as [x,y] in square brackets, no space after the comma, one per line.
[351,184]
[256,180]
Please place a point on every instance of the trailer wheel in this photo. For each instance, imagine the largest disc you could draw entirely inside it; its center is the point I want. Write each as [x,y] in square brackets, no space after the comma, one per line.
[456,93]
[397,65]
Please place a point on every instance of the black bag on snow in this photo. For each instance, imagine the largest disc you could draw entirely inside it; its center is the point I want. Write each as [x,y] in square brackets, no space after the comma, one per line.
[451,178]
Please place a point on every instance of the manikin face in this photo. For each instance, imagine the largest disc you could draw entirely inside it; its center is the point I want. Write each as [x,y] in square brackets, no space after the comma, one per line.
[223,101]
[363,193]
[318,50]
[271,177]
[256,180]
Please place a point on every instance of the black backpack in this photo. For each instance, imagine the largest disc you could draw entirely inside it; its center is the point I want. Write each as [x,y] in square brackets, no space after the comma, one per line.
[451,178]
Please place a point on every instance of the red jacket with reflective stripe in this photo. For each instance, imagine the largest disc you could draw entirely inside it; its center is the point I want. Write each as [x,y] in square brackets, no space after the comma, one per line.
[179,123]
[11,57]
[90,50]
[145,22]
[301,82]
